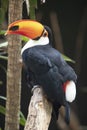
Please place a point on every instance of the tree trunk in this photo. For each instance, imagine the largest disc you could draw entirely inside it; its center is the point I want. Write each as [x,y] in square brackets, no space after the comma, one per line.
[56,31]
[39,112]
[80,41]
[13,70]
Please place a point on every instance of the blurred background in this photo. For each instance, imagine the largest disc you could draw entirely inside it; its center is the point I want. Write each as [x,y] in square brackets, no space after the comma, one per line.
[68,21]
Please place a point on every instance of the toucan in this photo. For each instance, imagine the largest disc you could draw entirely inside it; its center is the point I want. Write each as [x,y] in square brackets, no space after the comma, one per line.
[45,65]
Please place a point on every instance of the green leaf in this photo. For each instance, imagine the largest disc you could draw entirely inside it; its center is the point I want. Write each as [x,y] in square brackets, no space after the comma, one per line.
[21,114]
[2,32]
[22,122]
[4,5]
[2,97]
[66,58]
[3,9]
[4,44]
[4,57]
[25,39]
[33,5]
[2,110]
[22,119]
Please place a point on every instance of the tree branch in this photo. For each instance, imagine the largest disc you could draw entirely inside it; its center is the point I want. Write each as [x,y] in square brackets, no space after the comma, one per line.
[39,111]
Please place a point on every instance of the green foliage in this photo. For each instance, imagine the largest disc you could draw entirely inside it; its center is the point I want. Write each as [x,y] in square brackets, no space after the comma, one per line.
[66,58]
[4,98]
[4,57]
[22,119]
[33,5]
[2,32]
[4,44]
[3,111]
[25,39]
[3,9]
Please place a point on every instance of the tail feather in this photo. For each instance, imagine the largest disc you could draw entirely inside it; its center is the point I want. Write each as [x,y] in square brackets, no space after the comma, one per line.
[56,110]
[67,113]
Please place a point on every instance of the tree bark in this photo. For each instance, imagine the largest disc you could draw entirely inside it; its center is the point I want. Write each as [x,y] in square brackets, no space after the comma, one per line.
[80,40]
[56,31]
[39,112]
[13,70]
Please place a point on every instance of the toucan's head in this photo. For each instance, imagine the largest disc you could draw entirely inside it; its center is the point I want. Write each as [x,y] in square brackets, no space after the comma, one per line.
[29,28]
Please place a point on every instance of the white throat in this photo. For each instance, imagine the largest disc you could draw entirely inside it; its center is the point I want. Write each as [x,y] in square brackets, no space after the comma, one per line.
[32,43]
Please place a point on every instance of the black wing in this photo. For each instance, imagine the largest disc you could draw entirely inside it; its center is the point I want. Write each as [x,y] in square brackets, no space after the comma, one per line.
[56,58]
[46,74]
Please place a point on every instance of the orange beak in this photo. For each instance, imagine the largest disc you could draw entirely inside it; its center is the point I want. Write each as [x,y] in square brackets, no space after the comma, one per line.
[28,28]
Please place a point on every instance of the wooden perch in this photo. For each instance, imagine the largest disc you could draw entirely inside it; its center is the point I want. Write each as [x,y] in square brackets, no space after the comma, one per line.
[39,111]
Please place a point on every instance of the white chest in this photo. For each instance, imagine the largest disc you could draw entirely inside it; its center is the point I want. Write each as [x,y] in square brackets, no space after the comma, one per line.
[32,43]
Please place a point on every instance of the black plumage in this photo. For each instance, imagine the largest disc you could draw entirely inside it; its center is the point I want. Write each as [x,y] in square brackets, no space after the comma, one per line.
[47,68]
[45,65]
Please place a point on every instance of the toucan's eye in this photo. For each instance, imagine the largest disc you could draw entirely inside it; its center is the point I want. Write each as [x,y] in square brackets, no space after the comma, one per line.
[45,33]
[14,28]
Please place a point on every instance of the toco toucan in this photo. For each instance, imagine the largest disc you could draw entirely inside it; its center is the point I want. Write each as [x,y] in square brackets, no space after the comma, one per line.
[45,65]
